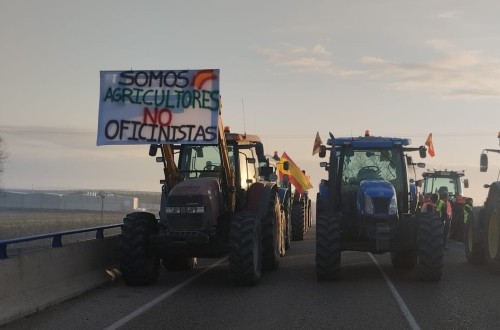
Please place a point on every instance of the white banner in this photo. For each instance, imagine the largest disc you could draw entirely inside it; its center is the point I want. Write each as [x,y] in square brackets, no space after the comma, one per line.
[149,107]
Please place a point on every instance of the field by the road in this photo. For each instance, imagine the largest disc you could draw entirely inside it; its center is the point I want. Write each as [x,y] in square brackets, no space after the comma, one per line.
[20,223]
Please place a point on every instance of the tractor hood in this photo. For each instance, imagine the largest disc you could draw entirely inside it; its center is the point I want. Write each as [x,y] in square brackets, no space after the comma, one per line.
[376,197]
[194,204]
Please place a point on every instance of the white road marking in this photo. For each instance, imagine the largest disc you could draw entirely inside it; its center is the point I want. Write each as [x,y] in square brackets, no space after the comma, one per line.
[402,306]
[159,299]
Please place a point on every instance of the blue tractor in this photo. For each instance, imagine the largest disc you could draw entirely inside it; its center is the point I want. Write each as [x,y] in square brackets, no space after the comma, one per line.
[366,204]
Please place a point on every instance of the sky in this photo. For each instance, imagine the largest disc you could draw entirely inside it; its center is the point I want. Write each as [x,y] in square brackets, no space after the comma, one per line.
[288,69]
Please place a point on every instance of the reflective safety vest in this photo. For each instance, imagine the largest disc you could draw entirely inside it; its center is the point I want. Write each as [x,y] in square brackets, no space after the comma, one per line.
[440,208]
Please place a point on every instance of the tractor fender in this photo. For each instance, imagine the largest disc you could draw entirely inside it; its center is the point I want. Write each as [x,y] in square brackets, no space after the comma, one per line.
[494,189]
[480,226]
[258,197]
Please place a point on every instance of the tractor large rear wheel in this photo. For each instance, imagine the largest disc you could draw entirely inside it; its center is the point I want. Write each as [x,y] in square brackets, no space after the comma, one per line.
[288,228]
[271,237]
[298,222]
[430,247]
[328,249]
[138,263]
[474,251]
[492,241]
[245,248]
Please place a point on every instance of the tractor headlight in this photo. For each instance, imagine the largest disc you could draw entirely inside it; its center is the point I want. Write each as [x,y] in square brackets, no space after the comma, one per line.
[393,205]
[194,209]
[173,210]
[184,209]
[368,205]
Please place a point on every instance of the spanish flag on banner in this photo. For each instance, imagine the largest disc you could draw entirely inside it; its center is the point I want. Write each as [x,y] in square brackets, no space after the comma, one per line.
[297,178]
[430,145]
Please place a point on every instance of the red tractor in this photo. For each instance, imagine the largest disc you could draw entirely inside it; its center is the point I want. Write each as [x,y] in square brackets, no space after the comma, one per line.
[452,182]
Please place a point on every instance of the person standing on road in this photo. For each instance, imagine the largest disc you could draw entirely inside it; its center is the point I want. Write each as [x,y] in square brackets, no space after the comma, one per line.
[429,205]
[444,209]
[468,209]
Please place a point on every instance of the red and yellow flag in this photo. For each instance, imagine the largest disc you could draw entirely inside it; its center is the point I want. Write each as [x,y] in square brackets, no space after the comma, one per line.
[430,145]
[317,144]
[297,178]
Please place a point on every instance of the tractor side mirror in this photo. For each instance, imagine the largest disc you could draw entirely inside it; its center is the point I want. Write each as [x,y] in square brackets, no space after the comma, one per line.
[483,162]
[322,151]
[153,149]
[466,183]
[421,165]
[422,152]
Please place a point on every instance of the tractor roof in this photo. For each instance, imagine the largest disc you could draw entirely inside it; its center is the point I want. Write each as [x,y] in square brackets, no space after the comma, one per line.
[443,174]
[242,137]
[370,142]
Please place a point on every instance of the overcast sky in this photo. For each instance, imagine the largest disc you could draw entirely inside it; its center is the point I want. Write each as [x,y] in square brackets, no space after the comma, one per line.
[288,69]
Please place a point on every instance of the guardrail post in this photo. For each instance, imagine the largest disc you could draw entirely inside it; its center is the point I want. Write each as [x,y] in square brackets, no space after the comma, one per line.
[56,241]
[3,251]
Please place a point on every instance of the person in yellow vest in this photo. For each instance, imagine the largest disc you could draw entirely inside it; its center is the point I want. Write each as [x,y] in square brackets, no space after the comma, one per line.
[444,209]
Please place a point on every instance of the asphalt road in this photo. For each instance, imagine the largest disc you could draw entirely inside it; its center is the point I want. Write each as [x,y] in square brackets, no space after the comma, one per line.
[368,295]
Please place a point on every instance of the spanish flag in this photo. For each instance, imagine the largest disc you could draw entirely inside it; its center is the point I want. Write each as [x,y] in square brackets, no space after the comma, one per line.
[317,144]
[297,177]
[430,145]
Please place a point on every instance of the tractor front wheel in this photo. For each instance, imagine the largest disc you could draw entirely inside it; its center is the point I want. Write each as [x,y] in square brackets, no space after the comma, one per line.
[430,247]
[245,248]
[139,264]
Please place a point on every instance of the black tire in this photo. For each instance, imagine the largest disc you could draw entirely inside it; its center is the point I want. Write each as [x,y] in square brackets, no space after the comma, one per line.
[404,260]
[271,237]
[309,213]
[179,263]
[430,247]
[139,264]
[288,230]
[492,232]
[245,248]
[298,217]
[283,234]
[328,249]
[474,251]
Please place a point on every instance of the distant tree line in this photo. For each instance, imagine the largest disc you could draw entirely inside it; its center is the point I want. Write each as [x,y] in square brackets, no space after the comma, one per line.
[3,156]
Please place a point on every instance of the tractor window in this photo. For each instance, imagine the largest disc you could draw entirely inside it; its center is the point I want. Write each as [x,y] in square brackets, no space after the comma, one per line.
[248,170]
[199,160]
[437,185]
[361,165]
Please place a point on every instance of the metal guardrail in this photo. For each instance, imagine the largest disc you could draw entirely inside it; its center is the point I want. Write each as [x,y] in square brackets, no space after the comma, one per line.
[56,237]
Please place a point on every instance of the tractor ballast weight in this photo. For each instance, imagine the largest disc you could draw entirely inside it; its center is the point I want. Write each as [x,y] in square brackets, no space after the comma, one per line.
[482,230]
[364,205]
[213,203]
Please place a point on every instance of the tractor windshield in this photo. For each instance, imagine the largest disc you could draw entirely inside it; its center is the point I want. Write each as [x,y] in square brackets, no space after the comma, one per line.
[435,185]
[385,164]
[201,160]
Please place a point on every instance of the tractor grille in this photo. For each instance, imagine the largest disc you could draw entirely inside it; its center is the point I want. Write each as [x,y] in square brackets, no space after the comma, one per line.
[185,221]
[380,205]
